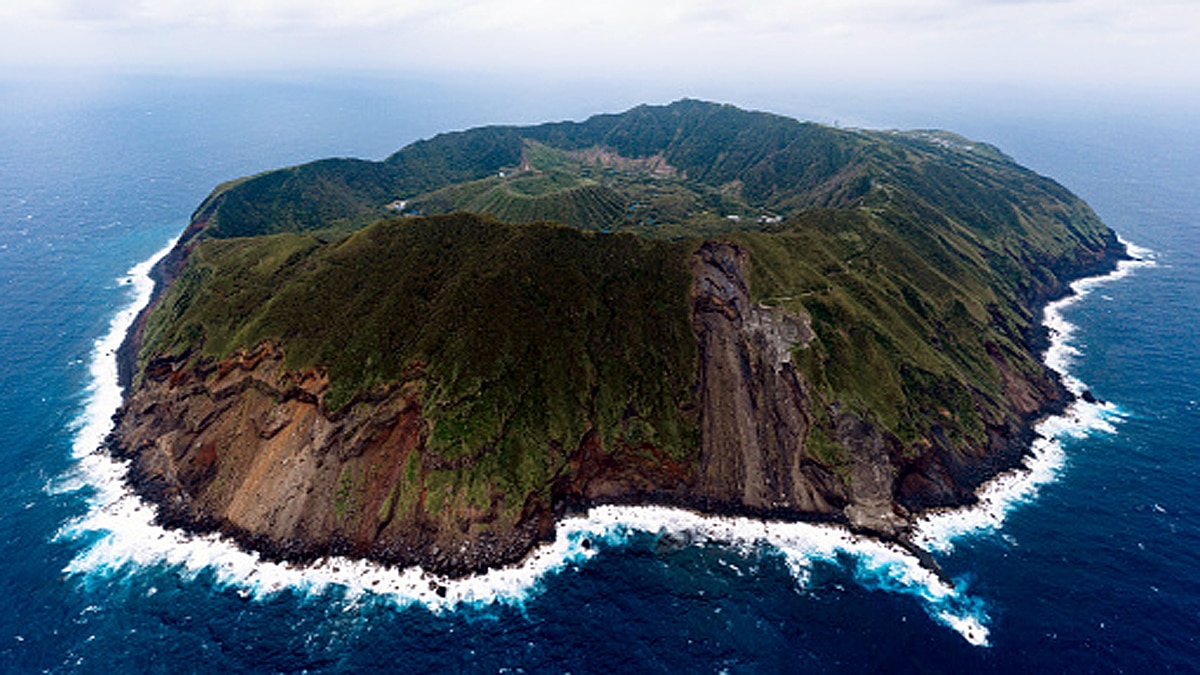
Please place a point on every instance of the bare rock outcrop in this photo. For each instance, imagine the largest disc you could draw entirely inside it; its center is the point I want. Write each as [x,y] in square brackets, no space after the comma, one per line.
[755,409]
[246,447]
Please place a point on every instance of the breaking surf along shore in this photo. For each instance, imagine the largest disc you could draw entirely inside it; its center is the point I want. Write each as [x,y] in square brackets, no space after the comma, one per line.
[124,538]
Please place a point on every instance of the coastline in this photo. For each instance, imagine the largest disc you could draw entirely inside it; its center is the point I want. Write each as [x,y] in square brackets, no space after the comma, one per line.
[938,529]
[130,534]
[879,452]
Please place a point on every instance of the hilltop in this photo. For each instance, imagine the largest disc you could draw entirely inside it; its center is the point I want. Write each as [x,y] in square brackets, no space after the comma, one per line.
[428,359]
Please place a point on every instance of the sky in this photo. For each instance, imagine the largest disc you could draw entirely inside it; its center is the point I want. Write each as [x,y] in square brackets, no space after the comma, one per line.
[1147,45]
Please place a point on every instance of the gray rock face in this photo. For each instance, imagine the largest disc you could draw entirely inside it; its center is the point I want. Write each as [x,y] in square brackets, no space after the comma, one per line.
[755,410]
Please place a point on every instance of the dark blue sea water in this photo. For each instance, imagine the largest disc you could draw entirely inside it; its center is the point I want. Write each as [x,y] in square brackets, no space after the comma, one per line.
[1091,565]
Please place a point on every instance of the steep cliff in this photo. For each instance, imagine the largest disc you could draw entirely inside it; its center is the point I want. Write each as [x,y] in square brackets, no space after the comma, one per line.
[245,446]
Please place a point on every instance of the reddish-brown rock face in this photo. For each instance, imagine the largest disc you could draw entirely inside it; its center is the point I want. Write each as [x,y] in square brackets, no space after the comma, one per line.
[246,447]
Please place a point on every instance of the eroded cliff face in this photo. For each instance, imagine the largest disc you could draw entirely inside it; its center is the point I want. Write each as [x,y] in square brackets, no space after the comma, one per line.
[247,447]
[756,412]
[754,407]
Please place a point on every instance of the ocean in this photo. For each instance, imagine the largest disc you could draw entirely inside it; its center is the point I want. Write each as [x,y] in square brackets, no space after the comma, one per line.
[1085,563]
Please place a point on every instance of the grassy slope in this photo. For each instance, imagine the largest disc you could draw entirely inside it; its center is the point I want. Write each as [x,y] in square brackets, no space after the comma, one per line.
[912,284]
[320,195]
[532,334]
[530,198]
[900,339]
[913,253]
[730,162]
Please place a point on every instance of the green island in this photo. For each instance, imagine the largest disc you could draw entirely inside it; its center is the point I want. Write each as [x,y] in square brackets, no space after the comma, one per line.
[427,360]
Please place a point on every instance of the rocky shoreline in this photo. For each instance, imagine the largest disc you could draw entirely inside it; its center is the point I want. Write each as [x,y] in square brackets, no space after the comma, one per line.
[750,463]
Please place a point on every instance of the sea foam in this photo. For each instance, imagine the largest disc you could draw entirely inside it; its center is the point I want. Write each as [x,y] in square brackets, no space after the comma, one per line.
[938,530]
[122,537]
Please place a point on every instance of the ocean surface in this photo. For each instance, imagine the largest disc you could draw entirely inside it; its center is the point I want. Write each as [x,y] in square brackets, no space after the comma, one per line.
[1088,562]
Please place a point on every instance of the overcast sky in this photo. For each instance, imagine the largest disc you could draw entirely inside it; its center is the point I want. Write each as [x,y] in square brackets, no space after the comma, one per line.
[1110,43]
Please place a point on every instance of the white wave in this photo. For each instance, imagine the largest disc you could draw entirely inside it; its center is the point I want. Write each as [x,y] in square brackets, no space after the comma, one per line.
[877,564]
[104,392]
[938,530]
[122,534]
[131,540]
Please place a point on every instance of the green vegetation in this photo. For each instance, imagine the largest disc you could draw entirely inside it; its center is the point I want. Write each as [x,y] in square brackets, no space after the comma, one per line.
[331,193]
[530,198]
[901,321]
[711,162]
[532,334]
[918,256]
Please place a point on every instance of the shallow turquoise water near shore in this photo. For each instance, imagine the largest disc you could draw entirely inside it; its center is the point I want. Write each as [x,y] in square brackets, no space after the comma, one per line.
[1097,573]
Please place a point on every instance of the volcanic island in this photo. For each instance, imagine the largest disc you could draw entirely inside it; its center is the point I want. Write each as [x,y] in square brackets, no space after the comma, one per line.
[429,359]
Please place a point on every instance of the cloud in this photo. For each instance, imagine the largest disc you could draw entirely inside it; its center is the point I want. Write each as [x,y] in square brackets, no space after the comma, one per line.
[993,40]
